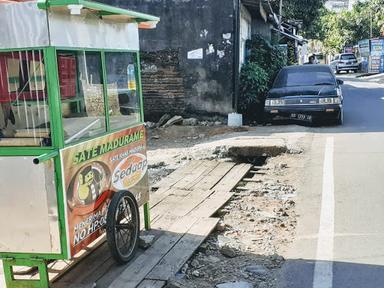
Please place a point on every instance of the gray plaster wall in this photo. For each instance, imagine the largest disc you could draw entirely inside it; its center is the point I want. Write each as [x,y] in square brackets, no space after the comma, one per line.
[202,29]
[260,27]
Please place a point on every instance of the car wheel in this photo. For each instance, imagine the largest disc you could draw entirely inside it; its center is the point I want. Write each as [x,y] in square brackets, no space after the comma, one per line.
[340,118]
[267,119]
[267,122]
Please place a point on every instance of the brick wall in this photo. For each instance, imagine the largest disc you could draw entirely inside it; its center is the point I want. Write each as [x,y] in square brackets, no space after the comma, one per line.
[193,40]
[162,83]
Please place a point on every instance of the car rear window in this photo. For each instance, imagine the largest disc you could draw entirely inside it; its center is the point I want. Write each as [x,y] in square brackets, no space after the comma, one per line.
[305,77]
[348,57]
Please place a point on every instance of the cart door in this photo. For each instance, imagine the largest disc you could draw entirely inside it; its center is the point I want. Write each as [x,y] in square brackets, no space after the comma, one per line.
[28,206]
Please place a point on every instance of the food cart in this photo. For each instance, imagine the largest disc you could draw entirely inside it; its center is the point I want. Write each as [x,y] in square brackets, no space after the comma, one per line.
[72,140]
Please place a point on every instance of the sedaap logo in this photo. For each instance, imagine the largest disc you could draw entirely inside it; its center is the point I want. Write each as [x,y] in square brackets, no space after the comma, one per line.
[129,171]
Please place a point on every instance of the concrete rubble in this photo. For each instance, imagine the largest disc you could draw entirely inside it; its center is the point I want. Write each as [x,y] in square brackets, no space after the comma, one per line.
[173,121]
[146,241]
[239,284]
[257,223]
[190,122]
[164,119]
[269,147]
[168,120]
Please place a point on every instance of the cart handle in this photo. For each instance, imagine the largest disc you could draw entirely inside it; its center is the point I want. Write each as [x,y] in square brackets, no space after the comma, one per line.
[45,157]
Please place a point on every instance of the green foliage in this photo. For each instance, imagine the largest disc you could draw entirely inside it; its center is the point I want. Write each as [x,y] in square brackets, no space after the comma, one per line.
[254,82]
[307,11]
[268,57]
[348,27]
[291,53]
[257,75]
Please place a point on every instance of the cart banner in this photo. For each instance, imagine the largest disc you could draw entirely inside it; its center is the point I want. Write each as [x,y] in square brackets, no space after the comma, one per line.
[92,172]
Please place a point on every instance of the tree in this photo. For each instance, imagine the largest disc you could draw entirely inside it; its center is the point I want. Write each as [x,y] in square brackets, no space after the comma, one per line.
[307,11]
[263,63]
[348,27]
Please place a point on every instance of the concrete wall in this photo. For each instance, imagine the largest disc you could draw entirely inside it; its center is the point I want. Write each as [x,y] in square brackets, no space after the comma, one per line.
[245,32]
[262,28]
[200,29]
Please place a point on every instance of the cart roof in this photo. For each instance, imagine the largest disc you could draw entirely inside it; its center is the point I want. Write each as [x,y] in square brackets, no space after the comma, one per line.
[70,24]
[103,10]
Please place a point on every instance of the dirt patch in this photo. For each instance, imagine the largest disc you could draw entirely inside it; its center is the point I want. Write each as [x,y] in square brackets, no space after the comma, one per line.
[256,225]
[187,135]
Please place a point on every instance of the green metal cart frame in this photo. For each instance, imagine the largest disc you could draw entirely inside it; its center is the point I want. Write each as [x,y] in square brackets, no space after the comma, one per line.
[52,152]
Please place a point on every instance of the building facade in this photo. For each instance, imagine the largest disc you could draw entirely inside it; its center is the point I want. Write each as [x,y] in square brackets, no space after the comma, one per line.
[191,61]
[340,5]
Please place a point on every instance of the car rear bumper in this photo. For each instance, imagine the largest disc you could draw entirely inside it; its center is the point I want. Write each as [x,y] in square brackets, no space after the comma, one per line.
[317,112]
[347,67]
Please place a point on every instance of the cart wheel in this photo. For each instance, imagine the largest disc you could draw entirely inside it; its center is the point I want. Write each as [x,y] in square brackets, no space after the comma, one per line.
[123,226]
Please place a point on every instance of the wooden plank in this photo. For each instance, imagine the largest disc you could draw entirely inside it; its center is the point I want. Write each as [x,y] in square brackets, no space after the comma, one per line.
[192,178]
[178,174]
[207,179]
[232,178]
[87,265]
[214,176]
[138,269]
[189,202]
[168,203]
[175,211]
[176,207]
[73,285]
[162,189]
[242,188]
[252,180]
[260,167]
[183,250]
[258,172]
[210,166]
[155,197]
[58,268]
[108,271]
[211,204]
[152,284]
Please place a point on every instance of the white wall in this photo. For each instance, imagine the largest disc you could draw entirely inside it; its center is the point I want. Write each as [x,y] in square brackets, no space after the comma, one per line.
[245,31]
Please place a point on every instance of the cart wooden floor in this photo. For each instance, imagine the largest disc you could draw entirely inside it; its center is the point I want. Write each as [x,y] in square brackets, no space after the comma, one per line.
[181,215]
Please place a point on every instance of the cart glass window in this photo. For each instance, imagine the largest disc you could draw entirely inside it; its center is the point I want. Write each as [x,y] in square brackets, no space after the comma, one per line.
[82,96]
[24,112]
[123,97]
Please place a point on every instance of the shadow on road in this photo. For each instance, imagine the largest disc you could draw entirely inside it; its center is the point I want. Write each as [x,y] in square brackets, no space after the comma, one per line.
[299,273]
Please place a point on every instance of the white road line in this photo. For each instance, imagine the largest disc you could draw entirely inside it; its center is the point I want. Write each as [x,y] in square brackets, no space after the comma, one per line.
[323,272]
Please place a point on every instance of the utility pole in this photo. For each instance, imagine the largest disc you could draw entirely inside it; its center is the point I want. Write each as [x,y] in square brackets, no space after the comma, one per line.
[280,13]
[371,24]
[280,20]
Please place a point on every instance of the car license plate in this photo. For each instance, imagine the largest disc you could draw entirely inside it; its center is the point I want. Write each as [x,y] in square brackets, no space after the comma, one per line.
[303,117]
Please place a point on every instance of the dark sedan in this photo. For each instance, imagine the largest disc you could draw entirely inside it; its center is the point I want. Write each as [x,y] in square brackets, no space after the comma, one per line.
[307,93]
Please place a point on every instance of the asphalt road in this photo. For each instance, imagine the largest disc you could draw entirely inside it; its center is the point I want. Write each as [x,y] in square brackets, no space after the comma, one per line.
[340,235]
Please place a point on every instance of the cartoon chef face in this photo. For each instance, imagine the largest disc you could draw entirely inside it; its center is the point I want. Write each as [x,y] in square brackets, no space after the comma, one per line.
[88,177]
[89,186]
